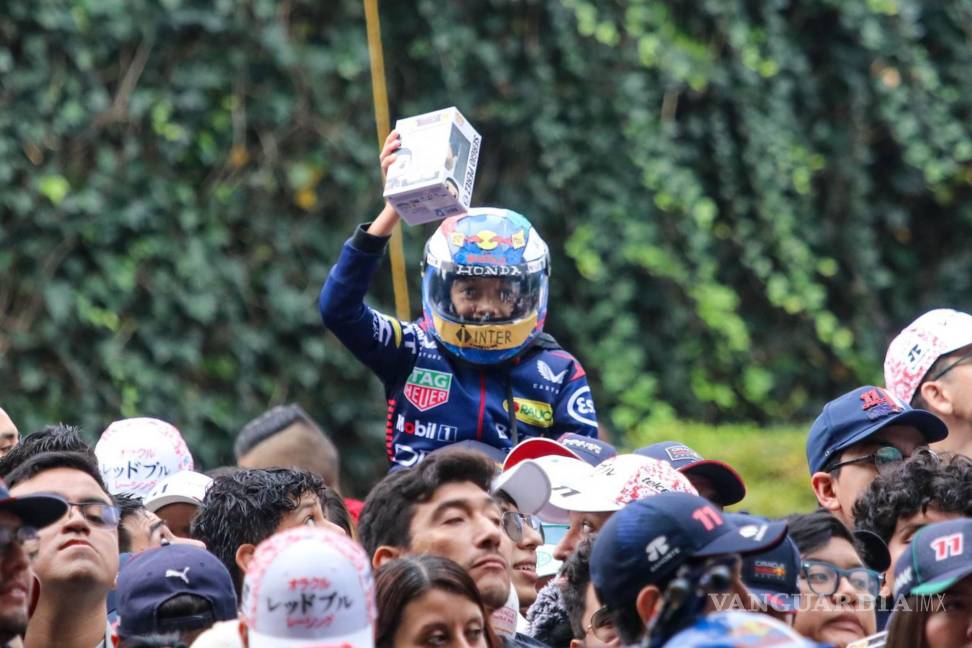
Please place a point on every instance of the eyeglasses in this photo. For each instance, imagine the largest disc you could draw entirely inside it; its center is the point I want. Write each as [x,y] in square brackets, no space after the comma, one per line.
[513,522]
[962,358]
[883,458]
[98,513]
[823,578]
[602,625]
[24,536]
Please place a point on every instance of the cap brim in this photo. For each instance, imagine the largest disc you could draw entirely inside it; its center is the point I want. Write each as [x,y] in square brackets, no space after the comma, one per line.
[562,472]
[361,639]
[154,505]
[942,582]
[727,482]
[930,426]
[527,485]
[536,448]
[874,551]
[779,601]
[746,539]
[36,510]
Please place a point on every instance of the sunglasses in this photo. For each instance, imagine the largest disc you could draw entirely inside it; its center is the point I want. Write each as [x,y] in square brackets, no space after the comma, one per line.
[602,626]
[514,523]
[962,358]
[26,537]
[98,513]
[883,458]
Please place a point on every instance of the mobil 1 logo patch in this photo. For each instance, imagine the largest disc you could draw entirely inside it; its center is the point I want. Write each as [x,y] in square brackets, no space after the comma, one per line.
[430,430]
[427,388]
[580,407]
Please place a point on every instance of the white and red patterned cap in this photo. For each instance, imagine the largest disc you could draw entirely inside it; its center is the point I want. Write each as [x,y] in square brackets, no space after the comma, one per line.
[618,481]
[135,454]
[309,587]
[915,350]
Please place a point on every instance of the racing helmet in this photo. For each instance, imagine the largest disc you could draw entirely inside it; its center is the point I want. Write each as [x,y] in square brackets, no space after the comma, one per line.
[484,285]
[737,629]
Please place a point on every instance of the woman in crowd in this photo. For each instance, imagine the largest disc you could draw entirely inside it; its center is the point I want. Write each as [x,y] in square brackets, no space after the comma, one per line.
[427,601]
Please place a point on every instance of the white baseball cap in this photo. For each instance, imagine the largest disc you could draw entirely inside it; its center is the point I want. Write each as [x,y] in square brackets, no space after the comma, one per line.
[561,472]
[912,353]
[616,482]
[309,587]
[527,485]
[183,487]
[136,454]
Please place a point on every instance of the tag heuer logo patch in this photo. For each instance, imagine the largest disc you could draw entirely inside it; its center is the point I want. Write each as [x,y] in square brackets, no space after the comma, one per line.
[426,389]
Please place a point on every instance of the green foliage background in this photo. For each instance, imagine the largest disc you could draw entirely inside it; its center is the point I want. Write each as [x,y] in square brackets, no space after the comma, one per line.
[745,200]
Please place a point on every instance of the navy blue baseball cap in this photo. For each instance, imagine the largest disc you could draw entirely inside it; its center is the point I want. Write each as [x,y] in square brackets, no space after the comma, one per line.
[729,486]
[152,577]
[649,539]
[771,575]
[939,556]
[857,415]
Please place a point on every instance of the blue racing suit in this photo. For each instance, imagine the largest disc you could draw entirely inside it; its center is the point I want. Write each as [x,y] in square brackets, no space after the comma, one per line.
[435,399]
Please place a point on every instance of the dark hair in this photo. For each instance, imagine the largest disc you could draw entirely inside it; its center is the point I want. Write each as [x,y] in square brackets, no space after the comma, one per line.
[812,531]
[44,461]
[923,480]
[399,582]
[336,511]
[386,517]
[906,628]
[53,438]
[548,617]
[316,453]
[185,612]
[167,640]
[246,507]
[129,506]
[577,576]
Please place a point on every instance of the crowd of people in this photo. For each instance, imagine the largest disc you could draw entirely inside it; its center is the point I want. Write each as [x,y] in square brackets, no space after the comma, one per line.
[504,521]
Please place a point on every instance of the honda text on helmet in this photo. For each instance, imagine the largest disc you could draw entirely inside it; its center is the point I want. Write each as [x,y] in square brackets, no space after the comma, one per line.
[484,285]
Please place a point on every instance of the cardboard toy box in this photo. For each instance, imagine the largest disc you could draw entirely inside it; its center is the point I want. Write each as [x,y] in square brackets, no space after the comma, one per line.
[434,174]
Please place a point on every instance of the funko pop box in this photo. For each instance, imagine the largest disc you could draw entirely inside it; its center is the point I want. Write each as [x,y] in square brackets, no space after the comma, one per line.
[433,176]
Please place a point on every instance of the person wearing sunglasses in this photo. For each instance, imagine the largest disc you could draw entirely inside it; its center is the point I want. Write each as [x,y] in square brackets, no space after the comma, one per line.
[591,622]
[858,436]
[77,556]
[521,492]
[929,364]
[838,589]
[20,519]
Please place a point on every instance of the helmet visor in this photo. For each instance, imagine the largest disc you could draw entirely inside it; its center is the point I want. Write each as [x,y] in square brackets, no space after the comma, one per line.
[484,294]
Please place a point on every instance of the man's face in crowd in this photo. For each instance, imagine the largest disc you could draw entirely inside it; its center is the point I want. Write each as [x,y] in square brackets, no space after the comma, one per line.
[845,615]
[178,517]
[904,530]
[15,583]
[524,561]
[308,512]
[850,481]
[73,549]
[483,298]
[950,625]
[462,522]
[147,531]
[9,435]
[956,387]
[582,525]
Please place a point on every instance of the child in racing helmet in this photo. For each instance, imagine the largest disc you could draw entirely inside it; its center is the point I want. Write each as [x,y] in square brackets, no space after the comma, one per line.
[479,346]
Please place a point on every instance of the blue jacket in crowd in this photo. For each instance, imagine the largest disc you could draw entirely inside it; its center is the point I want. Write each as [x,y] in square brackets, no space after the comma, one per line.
[435,399]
